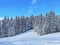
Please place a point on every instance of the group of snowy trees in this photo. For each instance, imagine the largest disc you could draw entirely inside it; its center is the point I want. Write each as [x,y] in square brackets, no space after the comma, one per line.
[41,24]
[11,27]
[47,24]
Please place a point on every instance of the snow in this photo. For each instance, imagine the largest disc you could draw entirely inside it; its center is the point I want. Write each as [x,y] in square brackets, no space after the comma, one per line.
[1,18]
[32,38]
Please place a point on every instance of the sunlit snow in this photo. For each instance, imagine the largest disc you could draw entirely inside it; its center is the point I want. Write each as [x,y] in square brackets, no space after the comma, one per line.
[32,38]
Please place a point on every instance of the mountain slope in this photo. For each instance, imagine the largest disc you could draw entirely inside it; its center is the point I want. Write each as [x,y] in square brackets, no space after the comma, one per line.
[31,38]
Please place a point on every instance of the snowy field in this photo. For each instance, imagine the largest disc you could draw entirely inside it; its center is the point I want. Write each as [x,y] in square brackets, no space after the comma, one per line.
[31,38]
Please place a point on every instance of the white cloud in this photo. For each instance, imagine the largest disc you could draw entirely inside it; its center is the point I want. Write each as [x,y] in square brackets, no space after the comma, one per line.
[30,10]
[34,1]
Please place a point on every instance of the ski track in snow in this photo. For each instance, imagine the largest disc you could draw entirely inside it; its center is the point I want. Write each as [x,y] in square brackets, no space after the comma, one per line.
[31,38]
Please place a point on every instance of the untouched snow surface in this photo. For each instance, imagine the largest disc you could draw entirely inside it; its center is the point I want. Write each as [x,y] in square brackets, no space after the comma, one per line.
[31,38]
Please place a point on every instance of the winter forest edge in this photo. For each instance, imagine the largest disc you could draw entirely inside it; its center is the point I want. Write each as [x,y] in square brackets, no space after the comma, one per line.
[42,25]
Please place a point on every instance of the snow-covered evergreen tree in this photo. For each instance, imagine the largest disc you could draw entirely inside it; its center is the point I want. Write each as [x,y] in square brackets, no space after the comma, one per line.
[47,26]
[38,22]
[17,24]
[5,28]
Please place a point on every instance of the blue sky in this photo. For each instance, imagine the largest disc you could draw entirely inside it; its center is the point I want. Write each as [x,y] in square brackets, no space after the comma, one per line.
[28,7]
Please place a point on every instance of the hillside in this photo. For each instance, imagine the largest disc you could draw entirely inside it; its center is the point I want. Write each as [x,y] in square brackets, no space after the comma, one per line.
[31,38]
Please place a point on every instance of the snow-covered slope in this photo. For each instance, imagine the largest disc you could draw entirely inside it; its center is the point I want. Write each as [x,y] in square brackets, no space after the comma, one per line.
[31,38]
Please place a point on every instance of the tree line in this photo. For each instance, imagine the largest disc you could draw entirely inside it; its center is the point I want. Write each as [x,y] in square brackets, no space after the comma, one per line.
[47,24]
[41,24]
[11,27]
